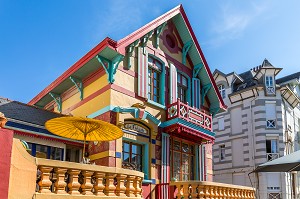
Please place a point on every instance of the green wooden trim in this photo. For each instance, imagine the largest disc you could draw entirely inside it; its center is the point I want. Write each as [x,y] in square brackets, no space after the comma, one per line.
[185,50]
[145,38]
[197,69]
[214,111]
[129,52]
[133,110]
[204,92]
[158,31]
[79,85]
[112,66]
[56,97]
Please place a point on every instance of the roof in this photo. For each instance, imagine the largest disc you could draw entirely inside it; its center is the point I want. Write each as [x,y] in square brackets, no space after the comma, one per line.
[248,81]
[288,78]
[26,113]
[186,33]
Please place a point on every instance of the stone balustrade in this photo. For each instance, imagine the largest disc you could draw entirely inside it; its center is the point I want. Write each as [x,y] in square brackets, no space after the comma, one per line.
[203,189]
[60,178]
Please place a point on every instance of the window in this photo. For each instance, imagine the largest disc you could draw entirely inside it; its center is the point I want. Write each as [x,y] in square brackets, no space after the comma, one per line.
[182,160]
[132,156]
[154,72]
[43,151]
[270,85]
[222,91]
[270,114]
[182,87]
[221,123]
[222,152]
[272,149]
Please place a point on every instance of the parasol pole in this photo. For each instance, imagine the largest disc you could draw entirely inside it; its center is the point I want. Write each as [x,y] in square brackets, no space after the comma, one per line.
[83,147]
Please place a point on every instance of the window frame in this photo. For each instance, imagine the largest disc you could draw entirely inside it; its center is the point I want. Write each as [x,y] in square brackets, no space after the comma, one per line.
[187,87]
[130,153]
[191,158]
[161,83]
[222,150]
[222,90]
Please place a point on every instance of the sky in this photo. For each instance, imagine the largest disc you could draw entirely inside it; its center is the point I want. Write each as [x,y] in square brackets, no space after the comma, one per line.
[40,39]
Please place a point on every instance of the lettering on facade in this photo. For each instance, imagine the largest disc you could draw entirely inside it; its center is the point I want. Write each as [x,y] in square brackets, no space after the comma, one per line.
[136,128]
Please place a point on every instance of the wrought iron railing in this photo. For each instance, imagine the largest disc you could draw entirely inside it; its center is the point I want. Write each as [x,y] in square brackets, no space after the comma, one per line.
[272,156]
[190,114]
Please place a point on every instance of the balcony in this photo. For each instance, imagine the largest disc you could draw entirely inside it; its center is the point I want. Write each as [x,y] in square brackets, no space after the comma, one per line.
[190,114]
[203,189]
[40,178]
[272,156]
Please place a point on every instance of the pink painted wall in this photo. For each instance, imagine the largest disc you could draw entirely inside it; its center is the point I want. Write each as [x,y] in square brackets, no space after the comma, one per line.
[6,140]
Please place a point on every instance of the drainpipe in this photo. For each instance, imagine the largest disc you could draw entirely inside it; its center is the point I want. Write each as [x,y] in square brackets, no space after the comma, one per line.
[253,142]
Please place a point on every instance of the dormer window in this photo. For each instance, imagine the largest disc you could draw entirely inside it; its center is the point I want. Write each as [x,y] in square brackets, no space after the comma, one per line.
[270,85]
[222,91]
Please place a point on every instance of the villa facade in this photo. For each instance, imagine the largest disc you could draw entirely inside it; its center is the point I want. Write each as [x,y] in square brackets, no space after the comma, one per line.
[261,123]
[156,85]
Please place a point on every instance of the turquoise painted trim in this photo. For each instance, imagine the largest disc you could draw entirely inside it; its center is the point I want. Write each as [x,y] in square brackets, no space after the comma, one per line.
[57,99]
[197,162]
[156,104]
[197,69]
[129,52]
[147,181]
[188,124]
[189,90]
[112,66]
[158,31]
[146,156]
[133,110]
[204,92]
[152,118]
[101,111]
[162,79]
[185,50]
[78,83]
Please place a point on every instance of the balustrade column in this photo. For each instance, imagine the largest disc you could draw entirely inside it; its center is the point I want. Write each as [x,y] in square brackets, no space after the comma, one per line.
[138,187]
[109,186]
[73,184]
[45,182]
[121,189]
[180,191]
[98,186]
[60,184]
[87,185]
[129,186]
[193,192]
[201,192]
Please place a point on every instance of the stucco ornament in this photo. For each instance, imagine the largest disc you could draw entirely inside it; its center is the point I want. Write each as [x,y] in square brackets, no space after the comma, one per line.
[3,120]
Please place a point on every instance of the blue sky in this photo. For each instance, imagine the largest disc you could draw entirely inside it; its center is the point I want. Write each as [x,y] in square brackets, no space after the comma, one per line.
[39,40]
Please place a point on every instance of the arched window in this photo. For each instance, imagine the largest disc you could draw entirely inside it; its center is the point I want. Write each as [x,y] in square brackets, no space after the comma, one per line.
[222,91]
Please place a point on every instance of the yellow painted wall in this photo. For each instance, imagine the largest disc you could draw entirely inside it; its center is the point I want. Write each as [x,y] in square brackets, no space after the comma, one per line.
[22,180]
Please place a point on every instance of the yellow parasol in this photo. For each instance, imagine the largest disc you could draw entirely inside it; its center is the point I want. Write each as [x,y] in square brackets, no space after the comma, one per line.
[85,129]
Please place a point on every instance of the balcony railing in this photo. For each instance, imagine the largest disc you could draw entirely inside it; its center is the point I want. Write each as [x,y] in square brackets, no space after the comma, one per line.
[272,156]
[40,178]
[190,114]
[203,189]
[58,177]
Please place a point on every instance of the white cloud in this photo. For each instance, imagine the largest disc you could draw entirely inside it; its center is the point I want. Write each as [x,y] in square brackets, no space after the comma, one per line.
[232,21]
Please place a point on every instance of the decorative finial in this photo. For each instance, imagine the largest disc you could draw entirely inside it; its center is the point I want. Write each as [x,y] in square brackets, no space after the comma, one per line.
[3,120]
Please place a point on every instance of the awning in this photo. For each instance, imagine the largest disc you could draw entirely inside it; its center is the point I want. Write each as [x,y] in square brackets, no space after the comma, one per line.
[286,163]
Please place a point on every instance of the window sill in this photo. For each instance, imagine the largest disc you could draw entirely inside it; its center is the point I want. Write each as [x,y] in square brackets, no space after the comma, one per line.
[156,104]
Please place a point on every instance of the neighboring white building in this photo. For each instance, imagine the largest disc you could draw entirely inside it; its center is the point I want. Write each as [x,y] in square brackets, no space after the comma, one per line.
[261,123]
